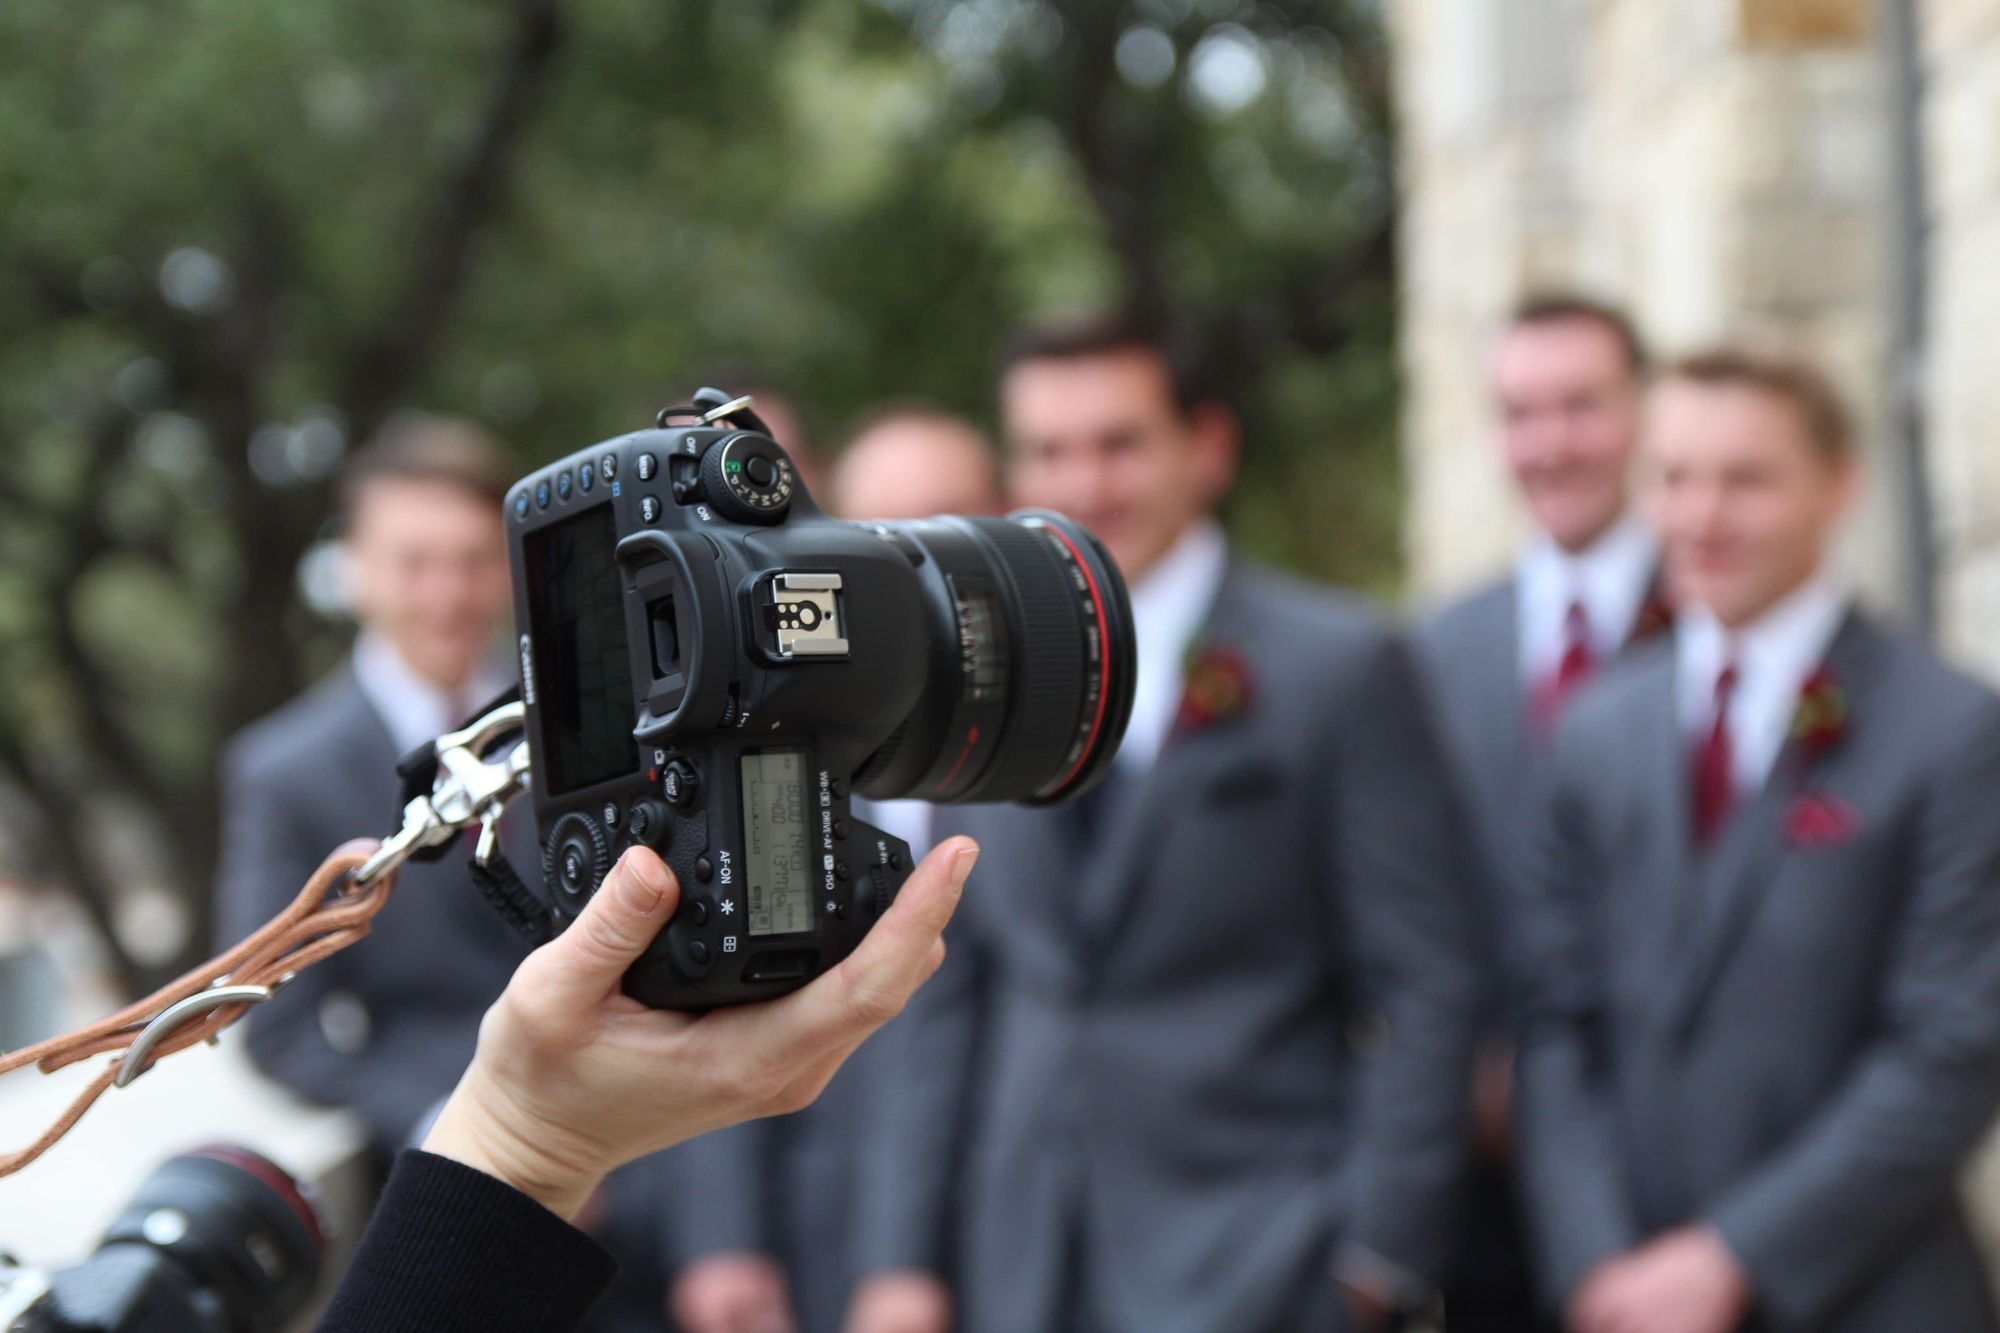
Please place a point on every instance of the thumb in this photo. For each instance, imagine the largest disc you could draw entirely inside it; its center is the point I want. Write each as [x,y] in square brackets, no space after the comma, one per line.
[628,910]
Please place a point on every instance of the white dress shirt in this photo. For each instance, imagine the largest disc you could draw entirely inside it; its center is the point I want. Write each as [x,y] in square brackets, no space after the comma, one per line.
[1170,605]
[1774,656]
[1609,579]
[412,707]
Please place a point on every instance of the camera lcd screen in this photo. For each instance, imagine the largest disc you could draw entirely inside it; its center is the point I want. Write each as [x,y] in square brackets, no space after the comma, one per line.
[777,856]
[583,670]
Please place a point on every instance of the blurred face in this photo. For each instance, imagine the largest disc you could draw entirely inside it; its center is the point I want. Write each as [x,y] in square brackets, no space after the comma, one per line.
[427,567]
[1746,503]
[915,467]
[1569,409]
[1101,439]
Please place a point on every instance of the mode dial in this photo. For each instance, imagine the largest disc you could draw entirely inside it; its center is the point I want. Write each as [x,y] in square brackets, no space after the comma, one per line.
[748,478]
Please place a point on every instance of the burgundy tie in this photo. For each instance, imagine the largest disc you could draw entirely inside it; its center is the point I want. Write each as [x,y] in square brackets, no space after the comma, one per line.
[1576,666]
[1714,785]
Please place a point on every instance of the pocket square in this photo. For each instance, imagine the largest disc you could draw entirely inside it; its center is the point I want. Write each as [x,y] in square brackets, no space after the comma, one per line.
[1821,821]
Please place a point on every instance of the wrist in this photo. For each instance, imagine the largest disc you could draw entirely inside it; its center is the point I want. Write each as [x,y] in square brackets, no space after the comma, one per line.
[469,1131]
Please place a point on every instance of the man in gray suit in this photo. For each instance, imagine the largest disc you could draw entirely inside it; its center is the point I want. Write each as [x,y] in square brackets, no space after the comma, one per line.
[764,1211]
[1763,1027]
[1201,1042]
[385,1028]
[1568,376]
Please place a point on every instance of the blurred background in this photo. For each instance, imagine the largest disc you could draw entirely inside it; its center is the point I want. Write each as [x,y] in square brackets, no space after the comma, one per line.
[235,238]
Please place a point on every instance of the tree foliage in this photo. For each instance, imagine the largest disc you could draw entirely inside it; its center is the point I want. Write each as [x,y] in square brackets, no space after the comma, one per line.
[237,236]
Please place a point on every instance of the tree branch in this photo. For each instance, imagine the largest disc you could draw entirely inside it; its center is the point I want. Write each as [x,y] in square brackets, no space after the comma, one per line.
[387,363]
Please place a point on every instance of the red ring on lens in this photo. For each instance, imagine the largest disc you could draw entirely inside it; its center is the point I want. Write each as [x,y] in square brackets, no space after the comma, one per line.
[1104,660]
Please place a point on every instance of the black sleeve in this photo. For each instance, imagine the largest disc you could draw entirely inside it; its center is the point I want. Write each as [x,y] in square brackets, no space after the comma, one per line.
[453,1248]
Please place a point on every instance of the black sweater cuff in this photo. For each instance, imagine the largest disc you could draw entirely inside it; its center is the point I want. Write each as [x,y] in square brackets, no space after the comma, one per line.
[451,1248]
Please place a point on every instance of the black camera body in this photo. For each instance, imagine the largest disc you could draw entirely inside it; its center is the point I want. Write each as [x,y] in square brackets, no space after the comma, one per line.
[713,668]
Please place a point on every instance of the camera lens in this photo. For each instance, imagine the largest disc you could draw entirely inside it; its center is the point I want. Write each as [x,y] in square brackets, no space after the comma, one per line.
[240,1227]
[1032,664]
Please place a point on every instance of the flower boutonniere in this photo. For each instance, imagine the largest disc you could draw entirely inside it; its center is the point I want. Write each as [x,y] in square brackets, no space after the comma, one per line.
[1655,617]
[1820,721]
[1218,687]
[1819,724]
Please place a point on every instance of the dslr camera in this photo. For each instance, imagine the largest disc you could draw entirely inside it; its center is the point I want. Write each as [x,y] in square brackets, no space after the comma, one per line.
[714,668]
[218,1240]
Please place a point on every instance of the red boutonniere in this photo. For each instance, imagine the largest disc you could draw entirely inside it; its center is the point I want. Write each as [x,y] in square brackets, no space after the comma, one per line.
[1656,617]
[1218,687]
[1821,719]
[1818,726]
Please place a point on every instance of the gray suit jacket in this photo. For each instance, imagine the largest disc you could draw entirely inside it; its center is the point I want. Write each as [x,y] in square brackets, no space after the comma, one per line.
[1471,658]
[296,785]
[1192,1061]
[1796,1043]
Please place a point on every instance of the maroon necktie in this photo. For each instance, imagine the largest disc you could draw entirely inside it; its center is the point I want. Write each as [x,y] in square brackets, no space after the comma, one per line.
[1576,666]
[1714,786]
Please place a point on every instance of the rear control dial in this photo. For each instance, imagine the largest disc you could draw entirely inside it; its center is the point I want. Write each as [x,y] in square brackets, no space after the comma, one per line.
[576,857]
[748,478]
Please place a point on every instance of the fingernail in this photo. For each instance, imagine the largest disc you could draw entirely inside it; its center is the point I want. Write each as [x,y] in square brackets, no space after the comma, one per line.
[645,879]
[961,866]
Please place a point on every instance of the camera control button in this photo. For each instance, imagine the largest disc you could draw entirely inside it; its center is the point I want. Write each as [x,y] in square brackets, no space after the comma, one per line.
[697,914]
[586,476]
[648,823]
[608,465]
[761,470]
[563,485]
[680,784]
[698,951]
[611,814]
[645,466]
[577,858]
[542,495]
[649,510]
[704,869]
[521,505]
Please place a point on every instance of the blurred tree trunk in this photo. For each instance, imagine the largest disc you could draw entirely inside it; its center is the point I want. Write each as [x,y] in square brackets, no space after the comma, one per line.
[220,365]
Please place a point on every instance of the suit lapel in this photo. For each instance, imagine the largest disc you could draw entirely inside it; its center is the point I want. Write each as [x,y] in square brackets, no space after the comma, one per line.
[1739,870]
[1132,828]
[1494,650]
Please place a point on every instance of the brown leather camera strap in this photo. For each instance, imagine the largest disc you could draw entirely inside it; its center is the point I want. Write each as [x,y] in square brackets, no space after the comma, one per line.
[330,913]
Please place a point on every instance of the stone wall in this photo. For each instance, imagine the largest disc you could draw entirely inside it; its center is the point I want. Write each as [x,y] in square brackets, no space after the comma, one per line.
[1961,390]
[1718,165]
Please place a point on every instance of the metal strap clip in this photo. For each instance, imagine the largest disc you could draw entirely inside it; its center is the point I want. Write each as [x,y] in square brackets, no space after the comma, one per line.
[138,1057]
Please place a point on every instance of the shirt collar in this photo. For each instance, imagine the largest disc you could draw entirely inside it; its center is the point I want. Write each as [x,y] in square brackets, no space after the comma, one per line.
[1774,655]
[1170,605]
[1610,578]
[412,707]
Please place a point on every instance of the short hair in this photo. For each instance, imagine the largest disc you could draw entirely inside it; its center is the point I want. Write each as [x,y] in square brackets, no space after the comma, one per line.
[1538,309]
[1110,332]
[893,411]
[1828,423]
[415,446]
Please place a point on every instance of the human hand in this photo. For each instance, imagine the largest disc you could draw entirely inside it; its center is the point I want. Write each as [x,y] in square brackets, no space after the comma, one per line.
[573,1077]
[900,1302]
[732,1293]
[1684,1281]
